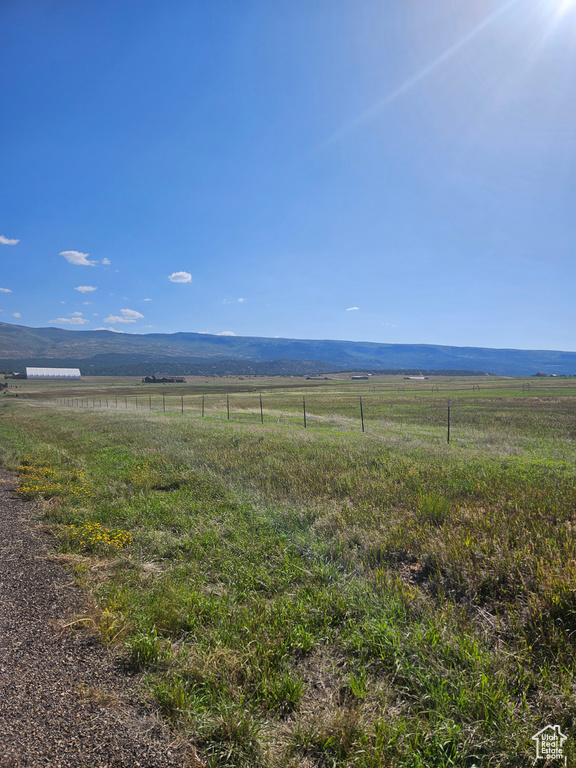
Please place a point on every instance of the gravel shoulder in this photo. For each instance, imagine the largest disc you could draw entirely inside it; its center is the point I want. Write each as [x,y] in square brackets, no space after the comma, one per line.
[65,699]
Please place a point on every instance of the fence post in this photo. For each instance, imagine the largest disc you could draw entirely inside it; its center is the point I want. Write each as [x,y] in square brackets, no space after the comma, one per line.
[228,405]
[182,403]
[448,424]
[261,411]
[362,414]
[149,402]
[304,409]
[163,403]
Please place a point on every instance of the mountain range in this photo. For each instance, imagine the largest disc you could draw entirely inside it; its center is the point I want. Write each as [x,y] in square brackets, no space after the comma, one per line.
[108,352]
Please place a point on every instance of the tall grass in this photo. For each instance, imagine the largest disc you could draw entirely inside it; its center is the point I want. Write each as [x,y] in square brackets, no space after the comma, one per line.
[325,597]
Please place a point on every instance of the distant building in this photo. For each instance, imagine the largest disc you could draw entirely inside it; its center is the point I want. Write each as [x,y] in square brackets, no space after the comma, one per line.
[416,378]
[53,373]
[357,378]
[163,380]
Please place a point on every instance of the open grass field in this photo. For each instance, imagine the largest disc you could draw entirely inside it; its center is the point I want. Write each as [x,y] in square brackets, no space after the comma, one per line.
[323,596]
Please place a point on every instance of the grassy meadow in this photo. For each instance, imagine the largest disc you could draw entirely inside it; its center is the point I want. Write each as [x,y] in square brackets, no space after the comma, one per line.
[322,596]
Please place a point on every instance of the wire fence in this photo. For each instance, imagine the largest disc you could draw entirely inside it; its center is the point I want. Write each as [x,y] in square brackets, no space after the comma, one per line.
[442,418]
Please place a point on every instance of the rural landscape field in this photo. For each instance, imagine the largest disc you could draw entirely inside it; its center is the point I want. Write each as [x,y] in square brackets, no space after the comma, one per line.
[334,593]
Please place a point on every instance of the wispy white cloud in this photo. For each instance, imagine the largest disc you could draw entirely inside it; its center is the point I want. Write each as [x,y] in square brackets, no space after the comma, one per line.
[7,241]
[126,316]
[241,300]
[352,309]
[85,288]
[114,330]
[16,314]
[147,299]
[86,303]
[226,333]
[180,277]
[106,261]
[78,258]
[5,290]
[226,301]
[74,319]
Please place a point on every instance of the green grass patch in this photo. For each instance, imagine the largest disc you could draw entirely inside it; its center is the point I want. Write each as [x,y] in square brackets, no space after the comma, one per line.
[325,597]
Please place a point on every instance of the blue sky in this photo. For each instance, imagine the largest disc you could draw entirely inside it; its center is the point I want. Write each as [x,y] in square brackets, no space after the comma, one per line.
[380,170]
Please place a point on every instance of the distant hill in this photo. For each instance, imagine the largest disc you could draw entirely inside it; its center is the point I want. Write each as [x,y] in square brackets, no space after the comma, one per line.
[105,351]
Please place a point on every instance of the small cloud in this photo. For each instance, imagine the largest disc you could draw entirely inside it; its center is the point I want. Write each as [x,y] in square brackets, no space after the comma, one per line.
[127,316]
[7,241]
[225,301]
[74,319]
[106,261]
[85,288]
[62,302]
[16,314]
[352,309]
[80,259]
[226,333]
[241,300]
[5,290]
[86,303]
[180,277]
[147,299]
[114,330]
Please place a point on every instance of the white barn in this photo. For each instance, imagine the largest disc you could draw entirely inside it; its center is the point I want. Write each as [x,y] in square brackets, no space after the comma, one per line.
[53,373]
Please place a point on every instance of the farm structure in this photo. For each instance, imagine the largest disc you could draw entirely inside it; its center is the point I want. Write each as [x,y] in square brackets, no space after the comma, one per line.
[163,380]
[53,373]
